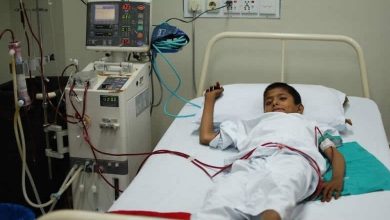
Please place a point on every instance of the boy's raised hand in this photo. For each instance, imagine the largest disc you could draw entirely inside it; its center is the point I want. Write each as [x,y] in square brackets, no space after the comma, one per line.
[214,91]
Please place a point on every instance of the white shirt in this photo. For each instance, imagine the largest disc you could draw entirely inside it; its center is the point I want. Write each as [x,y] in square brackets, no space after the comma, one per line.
[291,129]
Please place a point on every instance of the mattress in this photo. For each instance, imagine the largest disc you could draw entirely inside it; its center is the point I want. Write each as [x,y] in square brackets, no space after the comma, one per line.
[168,183]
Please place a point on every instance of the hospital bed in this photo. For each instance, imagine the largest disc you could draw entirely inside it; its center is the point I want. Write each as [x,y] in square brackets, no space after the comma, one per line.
[171,185]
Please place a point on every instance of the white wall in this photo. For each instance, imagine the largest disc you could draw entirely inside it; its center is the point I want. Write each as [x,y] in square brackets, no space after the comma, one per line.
[365,21]
[74,17]
[5,11]
[52,36]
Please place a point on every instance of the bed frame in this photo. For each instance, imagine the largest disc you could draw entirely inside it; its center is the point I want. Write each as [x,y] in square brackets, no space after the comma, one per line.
[284,38]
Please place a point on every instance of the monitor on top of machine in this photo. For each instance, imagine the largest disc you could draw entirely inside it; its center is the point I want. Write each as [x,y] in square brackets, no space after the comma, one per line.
[117,25]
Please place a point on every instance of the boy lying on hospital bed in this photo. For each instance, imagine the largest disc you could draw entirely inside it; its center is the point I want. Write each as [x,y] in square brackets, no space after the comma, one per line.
[284,169]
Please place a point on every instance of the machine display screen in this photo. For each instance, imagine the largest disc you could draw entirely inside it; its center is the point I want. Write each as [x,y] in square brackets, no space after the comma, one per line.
[105,13]
[109,101]
[114,25]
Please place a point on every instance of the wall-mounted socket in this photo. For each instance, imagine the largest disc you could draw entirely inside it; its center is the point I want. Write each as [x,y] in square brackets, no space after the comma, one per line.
[212,5]
[233,7]
[268,9]
[248,6]
[195,5]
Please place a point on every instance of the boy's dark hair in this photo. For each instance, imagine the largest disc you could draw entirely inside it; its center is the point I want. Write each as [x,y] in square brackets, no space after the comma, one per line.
[291,90]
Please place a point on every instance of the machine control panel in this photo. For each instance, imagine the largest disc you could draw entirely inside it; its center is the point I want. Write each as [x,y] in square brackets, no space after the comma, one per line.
[113,83]
[109,123]
[118,24]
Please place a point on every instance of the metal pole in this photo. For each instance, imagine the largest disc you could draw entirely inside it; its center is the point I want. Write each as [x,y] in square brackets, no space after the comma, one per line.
[44,92]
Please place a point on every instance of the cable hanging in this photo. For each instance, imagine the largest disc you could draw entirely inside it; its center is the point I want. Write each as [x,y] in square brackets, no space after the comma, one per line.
[169,39]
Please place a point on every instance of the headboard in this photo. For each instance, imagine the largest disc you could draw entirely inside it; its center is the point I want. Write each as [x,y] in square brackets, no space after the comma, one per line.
[285,37]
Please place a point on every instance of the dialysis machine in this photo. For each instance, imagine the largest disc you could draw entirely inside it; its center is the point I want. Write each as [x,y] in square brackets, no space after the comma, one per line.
[109,101]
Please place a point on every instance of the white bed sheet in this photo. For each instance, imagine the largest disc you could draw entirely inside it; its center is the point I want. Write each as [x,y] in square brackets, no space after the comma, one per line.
[169,183]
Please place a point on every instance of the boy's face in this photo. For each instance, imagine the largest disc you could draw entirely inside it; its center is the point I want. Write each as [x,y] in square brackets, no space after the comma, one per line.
[279,100]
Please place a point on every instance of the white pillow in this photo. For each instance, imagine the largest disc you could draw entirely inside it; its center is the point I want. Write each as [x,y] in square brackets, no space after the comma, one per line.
[245,101]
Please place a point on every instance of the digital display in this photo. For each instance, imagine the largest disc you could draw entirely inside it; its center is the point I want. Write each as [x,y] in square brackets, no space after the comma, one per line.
[109,101]
[105,13]
[118,26]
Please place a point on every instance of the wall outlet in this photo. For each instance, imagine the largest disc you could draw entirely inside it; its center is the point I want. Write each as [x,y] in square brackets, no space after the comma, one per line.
[248,6]
[212,5]
[267,9]
[195,5]
[234,7]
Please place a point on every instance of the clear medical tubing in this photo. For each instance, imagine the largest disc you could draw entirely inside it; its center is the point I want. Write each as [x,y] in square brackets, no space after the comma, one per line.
[21,144]
[284,37]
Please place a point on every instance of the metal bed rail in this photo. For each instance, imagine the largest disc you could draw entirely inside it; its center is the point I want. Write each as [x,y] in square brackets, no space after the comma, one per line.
[285,37]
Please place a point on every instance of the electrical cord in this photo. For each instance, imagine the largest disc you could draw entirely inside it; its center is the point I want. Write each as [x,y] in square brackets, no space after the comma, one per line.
[9,31]
[193,19]
[62,97]
[153,105]
[161,89]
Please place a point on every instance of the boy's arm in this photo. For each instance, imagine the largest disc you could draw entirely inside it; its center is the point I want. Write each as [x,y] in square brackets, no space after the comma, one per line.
[206,130]
[335,185]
